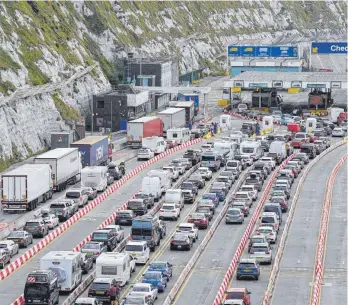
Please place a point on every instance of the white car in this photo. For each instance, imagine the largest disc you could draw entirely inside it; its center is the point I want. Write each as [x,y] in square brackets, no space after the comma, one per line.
[190,229]
[338,132]
[117,230]
[261,252]
[248,160]
[10,246]
[245,197]
[138,250]
[269,232]
[169,210]
[144,289]
[87,301]
[251,189]
[205,172]
[180,166]
[51,220]
[269,161]
[145,154]
[173,171]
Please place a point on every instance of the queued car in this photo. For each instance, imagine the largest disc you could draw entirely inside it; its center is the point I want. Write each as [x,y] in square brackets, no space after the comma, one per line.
[22,238]
[105,236]
[179,166]
[262,252]
[124,217]
[205,172]
[169,211]
[10,246]
[189,196]
[207,203]
[156,279]
[213,197]
[205,210]
[165,267]
[91,192]
[251,190]
[282,201]
[94,249]
[199,219]
[338,132]
[103,289]
[198,180]
[181,242]
[320,146]
[234,215]
[5,258]
[149,200]
[248,268]
[299,139]
[86,262]
[257,238]
[145,154]
[117,230]
[269,232]
[242,206]
[36,227]
[189,229]
[149,291]
[51,220]
[241,294]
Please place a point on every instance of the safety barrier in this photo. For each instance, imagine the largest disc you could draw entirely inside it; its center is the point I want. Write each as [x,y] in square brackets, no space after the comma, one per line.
[183,276]
[276,262]
[246,235]
[63,227]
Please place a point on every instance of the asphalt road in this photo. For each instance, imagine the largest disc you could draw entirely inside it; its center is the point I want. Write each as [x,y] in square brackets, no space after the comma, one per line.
[334,289]
[296,267]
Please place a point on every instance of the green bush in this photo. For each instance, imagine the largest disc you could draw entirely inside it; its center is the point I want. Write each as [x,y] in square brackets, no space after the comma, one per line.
[67,112]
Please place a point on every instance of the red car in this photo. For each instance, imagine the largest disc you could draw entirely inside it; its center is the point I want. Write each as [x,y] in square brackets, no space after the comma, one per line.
[342,116]
[299,139]
[199,219]
[293,169]
[282,201]
[237,294]
[312,138]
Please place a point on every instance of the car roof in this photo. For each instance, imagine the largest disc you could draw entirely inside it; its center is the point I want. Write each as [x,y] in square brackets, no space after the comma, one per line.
[186,224]
[269,214]
[136,242]
[248,260]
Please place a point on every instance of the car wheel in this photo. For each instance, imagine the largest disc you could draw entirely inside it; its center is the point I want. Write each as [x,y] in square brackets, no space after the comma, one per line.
[257,278]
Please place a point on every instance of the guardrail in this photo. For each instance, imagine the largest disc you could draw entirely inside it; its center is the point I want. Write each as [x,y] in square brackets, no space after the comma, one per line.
[183,276]
[246,235]
[44,242]
[275,269]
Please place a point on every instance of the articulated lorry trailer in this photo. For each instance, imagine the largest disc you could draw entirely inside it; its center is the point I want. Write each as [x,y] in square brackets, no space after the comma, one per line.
[26,186]
[172,118]
[65,164]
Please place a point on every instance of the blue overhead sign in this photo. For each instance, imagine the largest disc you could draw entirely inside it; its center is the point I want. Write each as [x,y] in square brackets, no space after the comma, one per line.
[329,48]
[262,51]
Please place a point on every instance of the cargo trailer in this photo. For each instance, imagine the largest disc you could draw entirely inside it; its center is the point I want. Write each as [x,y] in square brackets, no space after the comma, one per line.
[172,118]
[142,128]
[189,111]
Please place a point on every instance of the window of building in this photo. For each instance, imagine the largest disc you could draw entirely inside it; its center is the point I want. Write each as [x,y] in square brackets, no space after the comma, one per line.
[100,104]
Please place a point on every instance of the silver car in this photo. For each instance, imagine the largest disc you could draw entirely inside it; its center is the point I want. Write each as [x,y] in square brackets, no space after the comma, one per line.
[261,252]
[94,248]
[234,215]
[79,196]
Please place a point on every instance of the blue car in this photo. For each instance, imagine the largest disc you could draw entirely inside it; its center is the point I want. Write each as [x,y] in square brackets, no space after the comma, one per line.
[213,197]
[165,267]
[248,268]
[155,278]
[219,192]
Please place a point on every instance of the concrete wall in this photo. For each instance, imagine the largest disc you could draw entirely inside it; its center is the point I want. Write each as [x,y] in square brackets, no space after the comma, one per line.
[238,70]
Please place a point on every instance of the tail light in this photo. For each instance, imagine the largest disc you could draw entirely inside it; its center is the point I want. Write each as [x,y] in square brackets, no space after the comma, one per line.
[252,252]
[161,210]
[91,291]
[257,233]
[186,243]
[202,221]
[148,296]
[271,234]
[173,211]
[267,252]
[173,242]
[97,253]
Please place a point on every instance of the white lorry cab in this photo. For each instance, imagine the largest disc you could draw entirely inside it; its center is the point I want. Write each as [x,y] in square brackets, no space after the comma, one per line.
[95,177]
[165,177]
[156,144]
[152,186]
[311,125]
[114,265]
[251,148]
[178,135]
[333,113]
[267,124]
[66,265]
[225,122]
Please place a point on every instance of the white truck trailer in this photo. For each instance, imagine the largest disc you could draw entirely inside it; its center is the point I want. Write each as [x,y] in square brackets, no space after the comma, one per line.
[172,118]
[66,166]
[26,186]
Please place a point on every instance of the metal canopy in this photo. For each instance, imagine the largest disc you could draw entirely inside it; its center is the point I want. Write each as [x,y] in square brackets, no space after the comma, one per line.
[176,90]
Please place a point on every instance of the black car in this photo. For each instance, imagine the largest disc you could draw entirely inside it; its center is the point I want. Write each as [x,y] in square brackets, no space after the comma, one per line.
[149,200]
[189,196]
[124,218]
[256,181]
[265,145]
[181,242]
[114,171]
[309,149]
[206,211]
[86,262]
[189,186]
[138,206]
[105,236]
[193,156]
[301,156]
[197,133]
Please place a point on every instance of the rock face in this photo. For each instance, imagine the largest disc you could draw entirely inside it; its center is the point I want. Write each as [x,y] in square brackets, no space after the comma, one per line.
[55,42]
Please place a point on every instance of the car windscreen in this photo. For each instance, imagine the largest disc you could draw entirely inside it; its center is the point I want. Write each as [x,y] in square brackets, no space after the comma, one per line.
[231,164]
[264,231]
[158,266]
[16,234]
[72,195]
[247,150]
[300,136]
[135,248]
[241,196]
[209,196]
[183,228]
[186,186]
[271,209]
[57,206]
[36,291]
[256,240]
[32,224]
[235,295]
[140,289]
[152,276]
[252,181]
[167,207]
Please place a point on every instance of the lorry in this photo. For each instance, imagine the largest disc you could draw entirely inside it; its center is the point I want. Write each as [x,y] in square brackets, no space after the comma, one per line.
[265,98]
[142,128]
[172,118]
[95,150]
[67,267]
[319,101]
[61,139]
[26,186]
[95,177]
[65,164]
[189,111]
[146,228]
[333,113]
[192,97]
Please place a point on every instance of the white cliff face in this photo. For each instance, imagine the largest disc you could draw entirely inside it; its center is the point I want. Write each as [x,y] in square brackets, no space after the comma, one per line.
[54,43]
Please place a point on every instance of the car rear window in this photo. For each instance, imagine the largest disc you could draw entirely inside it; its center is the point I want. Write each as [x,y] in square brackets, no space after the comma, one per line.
[135,204]
[100,286]
[255,240]
[247,265]
[184,228]
[32,224]
[90,246]
[57,206]
[135,248]
[258,249]
[73,195]
[100,236]
[267,219]
[167,207]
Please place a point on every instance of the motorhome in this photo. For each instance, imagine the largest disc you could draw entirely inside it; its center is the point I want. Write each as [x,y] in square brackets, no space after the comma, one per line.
[252,149]
[156,144]
[66,265]
[225,148]
[178,135]
[95,177]
[114,265]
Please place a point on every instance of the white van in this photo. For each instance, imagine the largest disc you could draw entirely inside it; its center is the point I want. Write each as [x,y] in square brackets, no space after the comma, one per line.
[178,135]
[225,148]
[311,125]
[152,186]
[165,177]
[67,266]
[175,196]
[251,148]
[225,122]
[95,177]
[114,265]
[138,250]
[278,147]
[156,144]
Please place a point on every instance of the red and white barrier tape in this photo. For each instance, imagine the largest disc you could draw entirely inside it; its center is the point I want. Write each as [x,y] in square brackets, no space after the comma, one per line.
[231,269]
[54,234]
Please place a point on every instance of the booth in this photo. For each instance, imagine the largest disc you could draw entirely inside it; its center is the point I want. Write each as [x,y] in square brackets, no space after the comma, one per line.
[225,122]
[311,124]
[267,124]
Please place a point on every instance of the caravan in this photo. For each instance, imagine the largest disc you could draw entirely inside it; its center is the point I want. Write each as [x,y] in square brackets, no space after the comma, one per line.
[178,135]
[115,265]
[251,148]
[225,122]
[95,177]
[66,265]
[156,144]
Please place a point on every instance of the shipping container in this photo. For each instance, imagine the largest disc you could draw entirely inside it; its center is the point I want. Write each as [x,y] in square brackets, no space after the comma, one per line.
[94,150]
[61,139]
[25,187]
[172,118]
[142,128]
[189,109]
[65,164]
